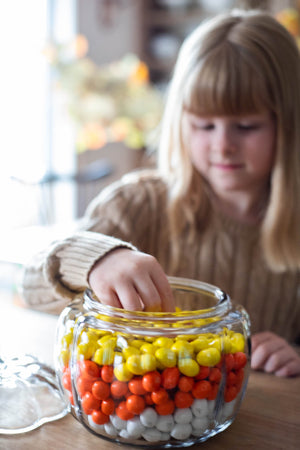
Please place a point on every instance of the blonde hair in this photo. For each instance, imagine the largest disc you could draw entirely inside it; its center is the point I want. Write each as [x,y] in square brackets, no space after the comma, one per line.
[241,62]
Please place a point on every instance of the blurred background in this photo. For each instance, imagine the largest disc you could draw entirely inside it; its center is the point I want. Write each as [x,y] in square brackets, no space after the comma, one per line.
[82,90]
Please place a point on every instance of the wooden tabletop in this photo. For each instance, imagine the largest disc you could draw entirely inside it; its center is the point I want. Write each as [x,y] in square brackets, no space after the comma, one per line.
[269,417]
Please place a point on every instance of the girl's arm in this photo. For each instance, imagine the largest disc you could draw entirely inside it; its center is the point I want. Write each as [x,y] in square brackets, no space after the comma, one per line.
[273,354]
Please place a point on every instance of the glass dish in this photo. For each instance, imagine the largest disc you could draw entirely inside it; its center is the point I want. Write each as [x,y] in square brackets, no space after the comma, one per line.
[29,395]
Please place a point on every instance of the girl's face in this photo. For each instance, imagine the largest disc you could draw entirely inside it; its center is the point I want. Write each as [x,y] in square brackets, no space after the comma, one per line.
[233,153]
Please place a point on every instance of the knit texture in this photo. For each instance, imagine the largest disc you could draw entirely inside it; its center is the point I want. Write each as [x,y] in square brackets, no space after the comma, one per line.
[132,213]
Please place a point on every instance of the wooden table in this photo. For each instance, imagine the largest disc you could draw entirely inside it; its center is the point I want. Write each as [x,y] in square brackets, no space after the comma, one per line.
[269,418]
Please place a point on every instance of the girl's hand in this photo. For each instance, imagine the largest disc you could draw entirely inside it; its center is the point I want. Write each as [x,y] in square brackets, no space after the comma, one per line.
[131,280]
[273,354]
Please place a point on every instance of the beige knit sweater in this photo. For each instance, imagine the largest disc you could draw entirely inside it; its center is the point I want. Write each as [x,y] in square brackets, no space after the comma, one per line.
[132,213]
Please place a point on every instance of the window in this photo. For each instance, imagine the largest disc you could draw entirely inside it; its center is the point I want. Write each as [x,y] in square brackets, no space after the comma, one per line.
[36,138]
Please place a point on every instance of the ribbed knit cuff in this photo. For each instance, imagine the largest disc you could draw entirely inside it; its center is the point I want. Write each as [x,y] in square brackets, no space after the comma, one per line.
[74,258]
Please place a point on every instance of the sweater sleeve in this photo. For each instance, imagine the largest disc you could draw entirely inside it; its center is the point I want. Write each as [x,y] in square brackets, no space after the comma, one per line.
[58,274]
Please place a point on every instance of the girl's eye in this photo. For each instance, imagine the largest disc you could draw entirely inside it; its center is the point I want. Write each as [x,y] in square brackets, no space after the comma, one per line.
[247,126]
[203,126]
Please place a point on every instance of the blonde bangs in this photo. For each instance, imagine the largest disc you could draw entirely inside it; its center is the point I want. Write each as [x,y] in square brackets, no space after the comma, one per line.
[225,83]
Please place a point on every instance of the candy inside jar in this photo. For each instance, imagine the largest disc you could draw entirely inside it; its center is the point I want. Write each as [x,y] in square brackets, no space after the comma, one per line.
[155,379]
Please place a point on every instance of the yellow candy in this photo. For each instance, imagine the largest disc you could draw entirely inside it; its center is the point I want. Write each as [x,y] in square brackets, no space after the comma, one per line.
[185,337]
[215,342]
[129,351]
[64,357]
[200,343]
[166,357]
[188,367]
[148,348]
[140,364]
[87,350]
[163,342]
[237,343]
[209,357]
[122,373]
[108,339]
[226,344]
[133,364]
[104,355]
[148,362]
[67,340]
[137,343]
[183,348]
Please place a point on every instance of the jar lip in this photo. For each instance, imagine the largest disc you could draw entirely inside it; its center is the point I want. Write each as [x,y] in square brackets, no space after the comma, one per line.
[222,306]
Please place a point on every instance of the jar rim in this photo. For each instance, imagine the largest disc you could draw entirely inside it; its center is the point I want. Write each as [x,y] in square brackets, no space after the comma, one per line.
[221,308]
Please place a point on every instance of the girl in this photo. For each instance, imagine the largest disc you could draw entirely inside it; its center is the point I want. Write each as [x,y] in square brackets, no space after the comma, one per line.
[223,206]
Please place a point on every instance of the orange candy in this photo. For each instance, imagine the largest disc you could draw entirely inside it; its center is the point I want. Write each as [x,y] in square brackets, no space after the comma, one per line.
[214,391]
[186,384]
[229,362]
[230,393]
[183,399]
[89,403]
[151,381]
[108,406]
[66,379]
[135,404]
[203,373]
[100,390]
[160,396]
[170,377]
[122,411]
[240,360]
[202,389]
[89,369]
[135,385]
[118,389]
[166,408]
[84,385]
[215,375]
[107,373]
[99,417]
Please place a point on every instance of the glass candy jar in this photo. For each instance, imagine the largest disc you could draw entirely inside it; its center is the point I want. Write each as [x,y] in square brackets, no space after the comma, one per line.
[160,380]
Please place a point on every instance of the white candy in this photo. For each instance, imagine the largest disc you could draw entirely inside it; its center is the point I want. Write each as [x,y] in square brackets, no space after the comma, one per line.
[200,407]
[94,425]
[199,424]
[211,404]
[181,431]
[118,423]
[124,434]
[165,436]
[149,417]
[228,409]
[152,435]
[165,423]
[135,428]
[183,415]
[110,429]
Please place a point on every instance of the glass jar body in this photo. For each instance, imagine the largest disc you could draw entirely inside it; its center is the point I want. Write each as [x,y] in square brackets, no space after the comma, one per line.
[160,380]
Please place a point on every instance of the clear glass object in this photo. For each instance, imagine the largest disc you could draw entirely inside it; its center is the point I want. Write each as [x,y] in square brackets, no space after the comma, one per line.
[160,380]
[29,395]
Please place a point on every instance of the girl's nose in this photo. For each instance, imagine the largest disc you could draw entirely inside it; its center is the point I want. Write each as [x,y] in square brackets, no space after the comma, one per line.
[225,141]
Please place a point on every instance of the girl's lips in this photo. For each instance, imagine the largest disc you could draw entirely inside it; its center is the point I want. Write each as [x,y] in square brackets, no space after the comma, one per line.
[226,166]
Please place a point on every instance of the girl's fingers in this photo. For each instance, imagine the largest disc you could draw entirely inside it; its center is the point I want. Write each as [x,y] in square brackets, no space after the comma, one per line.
[149,294]
[291,369]
[163,286]
[109,298]
[264,345]
[129,297]
[278,360]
